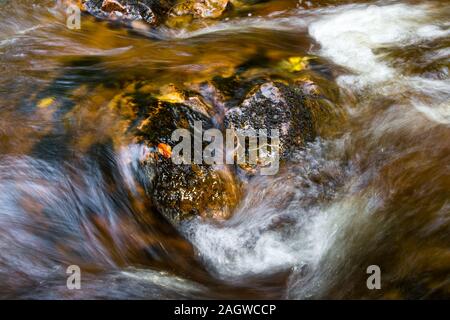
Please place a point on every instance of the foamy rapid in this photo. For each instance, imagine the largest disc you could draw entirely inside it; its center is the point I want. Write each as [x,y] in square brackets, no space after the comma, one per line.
[279,226]
[256,240]
[358,37]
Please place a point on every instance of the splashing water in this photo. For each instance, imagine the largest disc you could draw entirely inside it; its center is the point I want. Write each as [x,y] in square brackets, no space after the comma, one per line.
[378,194]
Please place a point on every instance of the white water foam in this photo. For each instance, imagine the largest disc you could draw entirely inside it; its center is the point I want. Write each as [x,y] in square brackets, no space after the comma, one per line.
[253,242]
[281,223]
[351,36]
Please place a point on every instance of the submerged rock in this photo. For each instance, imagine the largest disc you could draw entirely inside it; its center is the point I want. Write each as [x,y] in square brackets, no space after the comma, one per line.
[201,8]
[151,11]
[178,191]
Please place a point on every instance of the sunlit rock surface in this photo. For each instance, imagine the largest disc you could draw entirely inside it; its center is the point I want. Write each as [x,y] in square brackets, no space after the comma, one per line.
[273,105]
[178,191]
[152,12]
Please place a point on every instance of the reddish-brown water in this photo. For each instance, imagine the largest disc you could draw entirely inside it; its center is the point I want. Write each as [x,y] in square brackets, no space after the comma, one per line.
[377,193]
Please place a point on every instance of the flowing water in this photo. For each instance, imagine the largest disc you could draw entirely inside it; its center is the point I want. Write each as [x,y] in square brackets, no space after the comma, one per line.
[376,193]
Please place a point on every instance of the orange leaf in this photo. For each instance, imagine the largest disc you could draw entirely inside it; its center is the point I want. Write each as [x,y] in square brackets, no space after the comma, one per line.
[165,150]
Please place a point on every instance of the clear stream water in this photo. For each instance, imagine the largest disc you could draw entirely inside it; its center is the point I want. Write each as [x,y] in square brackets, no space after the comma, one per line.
[376,193]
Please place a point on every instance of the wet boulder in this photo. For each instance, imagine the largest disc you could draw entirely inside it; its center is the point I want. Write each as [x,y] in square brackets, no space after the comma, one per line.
[178,191]
[230,91]
[184,191]
[301,107]
[275,105]
[296,96]
[152,12]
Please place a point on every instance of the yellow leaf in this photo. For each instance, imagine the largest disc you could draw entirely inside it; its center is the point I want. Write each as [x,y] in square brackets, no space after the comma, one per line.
[46,102]
[295,64]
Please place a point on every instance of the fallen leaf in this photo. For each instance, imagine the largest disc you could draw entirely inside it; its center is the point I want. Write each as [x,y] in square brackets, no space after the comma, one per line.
[46,102]
[165,150]
[295,64]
